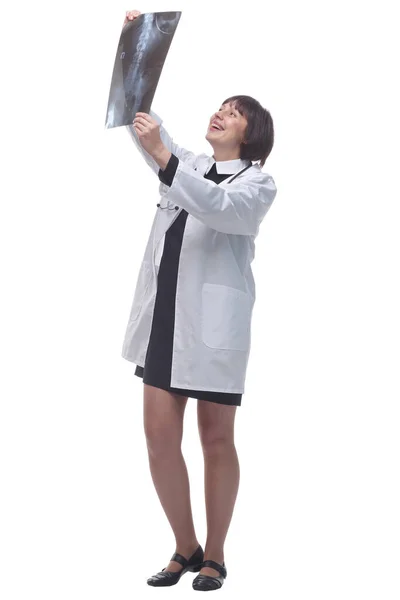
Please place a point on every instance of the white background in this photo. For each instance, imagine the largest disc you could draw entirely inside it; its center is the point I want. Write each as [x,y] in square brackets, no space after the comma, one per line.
[317,515]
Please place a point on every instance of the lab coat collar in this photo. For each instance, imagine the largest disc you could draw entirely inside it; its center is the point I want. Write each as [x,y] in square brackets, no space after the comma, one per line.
[228,167]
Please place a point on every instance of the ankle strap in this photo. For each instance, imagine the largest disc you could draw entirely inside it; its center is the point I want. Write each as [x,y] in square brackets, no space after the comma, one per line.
[214,565]
[180,559]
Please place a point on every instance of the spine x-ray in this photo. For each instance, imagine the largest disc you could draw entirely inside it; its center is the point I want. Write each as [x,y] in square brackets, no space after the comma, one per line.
[142,50]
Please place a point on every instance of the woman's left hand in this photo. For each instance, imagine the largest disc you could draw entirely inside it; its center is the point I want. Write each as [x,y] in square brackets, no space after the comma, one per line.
[148,132]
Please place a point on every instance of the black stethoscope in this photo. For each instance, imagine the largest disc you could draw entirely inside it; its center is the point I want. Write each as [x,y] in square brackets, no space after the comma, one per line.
[237,175]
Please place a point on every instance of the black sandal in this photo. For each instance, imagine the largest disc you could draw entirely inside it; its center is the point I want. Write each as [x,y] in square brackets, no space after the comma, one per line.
[194,564]
[206,582]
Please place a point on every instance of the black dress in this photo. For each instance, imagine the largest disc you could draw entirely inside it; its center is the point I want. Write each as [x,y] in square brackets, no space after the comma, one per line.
[158,361]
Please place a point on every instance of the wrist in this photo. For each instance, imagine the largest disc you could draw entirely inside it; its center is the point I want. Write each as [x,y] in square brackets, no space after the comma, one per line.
[161,155]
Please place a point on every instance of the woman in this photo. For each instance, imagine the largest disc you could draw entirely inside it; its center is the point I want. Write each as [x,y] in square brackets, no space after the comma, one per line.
[189,327]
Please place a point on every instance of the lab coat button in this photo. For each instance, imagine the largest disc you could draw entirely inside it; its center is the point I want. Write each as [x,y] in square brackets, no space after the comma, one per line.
[176,207]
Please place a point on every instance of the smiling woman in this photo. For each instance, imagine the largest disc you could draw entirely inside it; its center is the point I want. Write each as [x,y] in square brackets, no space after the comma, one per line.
[248,130]
[189,329]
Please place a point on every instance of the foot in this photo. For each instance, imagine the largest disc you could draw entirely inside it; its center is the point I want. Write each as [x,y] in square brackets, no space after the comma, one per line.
[187,552]
[170,575]
[206,579]
[219,558]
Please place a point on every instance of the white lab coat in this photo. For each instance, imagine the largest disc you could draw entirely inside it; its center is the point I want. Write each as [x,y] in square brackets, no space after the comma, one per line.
[215,288]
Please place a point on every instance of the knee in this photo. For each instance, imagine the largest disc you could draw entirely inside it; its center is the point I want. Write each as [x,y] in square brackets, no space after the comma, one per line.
[162,439]
[215,441]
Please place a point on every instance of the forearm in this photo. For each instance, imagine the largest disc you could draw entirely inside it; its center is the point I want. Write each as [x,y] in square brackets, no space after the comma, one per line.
[161,155]
[166,142]
[237,209]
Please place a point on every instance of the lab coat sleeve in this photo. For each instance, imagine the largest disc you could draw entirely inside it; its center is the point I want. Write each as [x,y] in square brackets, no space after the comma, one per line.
[167,175]
[181,153]
[237,208]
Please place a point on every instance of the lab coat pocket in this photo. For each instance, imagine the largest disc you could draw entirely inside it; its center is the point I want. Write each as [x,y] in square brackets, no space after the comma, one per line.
[142,284]
[225,317]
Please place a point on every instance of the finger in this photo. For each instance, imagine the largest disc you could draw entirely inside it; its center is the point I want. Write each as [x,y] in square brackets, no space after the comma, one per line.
[146,119]
[140,128]
[142,120]
[144,116]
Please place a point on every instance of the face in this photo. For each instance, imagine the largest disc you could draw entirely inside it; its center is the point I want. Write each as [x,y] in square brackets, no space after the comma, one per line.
[226,128]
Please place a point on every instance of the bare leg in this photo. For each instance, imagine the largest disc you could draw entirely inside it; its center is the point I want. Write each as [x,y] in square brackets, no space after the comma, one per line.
[163,414]
[221,475]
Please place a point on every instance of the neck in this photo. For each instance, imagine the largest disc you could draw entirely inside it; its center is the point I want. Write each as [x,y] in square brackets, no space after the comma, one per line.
[221,154]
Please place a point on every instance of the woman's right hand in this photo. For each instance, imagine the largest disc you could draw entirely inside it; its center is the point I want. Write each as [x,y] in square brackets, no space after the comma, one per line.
[130,16]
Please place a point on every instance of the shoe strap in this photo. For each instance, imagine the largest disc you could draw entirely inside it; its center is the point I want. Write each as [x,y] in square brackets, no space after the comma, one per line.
[180,559]
[214,565]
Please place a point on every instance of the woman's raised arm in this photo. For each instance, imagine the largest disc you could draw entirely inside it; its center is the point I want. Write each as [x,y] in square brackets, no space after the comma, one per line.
[186,155]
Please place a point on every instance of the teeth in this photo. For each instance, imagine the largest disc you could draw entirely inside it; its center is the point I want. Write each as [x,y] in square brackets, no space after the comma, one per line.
[216,126]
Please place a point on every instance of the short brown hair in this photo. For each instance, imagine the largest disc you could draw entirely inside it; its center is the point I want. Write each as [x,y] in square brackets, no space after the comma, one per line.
[259,133]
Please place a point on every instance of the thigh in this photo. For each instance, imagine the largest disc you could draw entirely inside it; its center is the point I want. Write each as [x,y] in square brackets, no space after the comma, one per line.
[163,413]
[215,421]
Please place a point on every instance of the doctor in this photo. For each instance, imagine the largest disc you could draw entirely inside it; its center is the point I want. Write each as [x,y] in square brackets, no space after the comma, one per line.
[189,327]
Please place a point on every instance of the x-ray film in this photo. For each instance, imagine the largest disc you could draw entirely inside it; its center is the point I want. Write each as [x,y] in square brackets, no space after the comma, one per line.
[142,50]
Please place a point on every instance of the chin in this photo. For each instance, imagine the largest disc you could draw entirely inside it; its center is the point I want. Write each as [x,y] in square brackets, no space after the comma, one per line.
[208,137]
